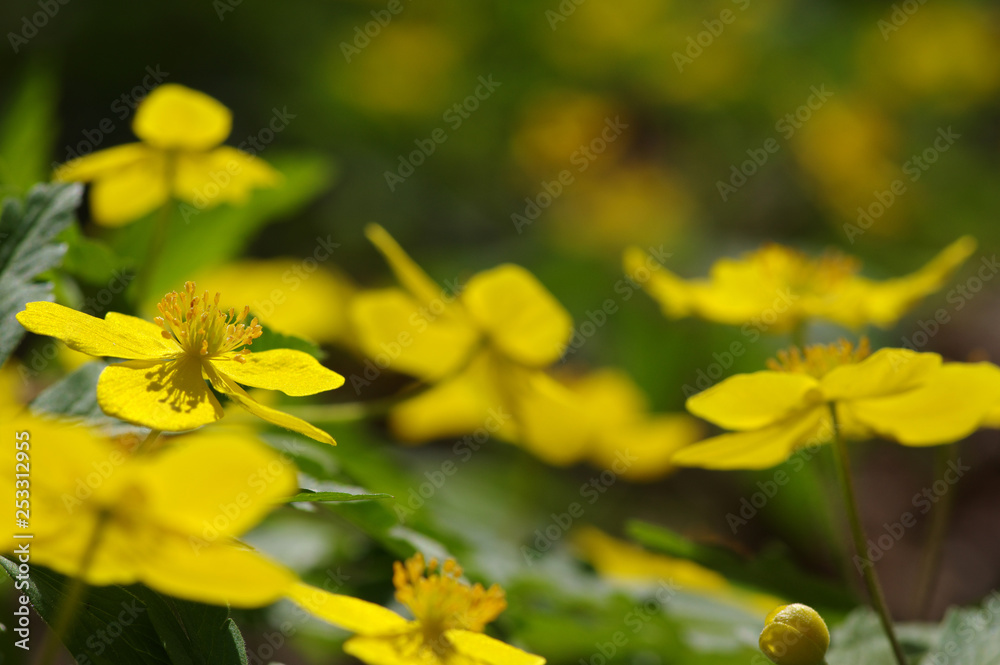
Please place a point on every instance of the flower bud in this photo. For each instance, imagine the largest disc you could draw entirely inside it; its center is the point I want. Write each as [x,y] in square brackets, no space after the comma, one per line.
[794,635]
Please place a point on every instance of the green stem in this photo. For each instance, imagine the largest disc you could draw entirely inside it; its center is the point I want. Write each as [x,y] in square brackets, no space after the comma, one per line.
[74,597]
[146,445]
[151,260]
[859,538]
[934,547]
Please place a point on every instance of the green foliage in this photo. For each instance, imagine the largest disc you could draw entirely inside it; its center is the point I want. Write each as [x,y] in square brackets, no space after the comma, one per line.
[28,131]
[28,248]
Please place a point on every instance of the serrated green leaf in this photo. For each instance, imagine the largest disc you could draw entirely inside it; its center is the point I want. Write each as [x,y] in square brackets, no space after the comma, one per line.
[111,627]
[859,640]
[73,396]
[969,635]
[336,496]
[27,249]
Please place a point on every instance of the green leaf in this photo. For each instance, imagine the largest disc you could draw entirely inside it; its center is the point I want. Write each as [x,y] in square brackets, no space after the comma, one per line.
[331,491]
[194,633]
[771,570]
[859,640]
[111,627]
[969,635]
[197,239]
[73,396]
[270,339]
[136,625]
[27,249]
[90,260]
[28,131]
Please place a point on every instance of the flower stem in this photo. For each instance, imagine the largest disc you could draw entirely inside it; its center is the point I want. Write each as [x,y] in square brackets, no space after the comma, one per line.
[858,536]
[934,548]
[147,444]
[74,597]
[151,260]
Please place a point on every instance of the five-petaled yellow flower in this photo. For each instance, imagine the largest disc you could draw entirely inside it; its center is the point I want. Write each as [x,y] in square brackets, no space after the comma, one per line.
[909,397]
[180,156]
[102,514]
[162,383]
[449,618]
[777,288]
[482,350]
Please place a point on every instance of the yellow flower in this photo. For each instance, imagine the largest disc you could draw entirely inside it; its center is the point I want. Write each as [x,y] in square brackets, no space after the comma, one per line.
[449,618]
[283,294]
[159,519]
[778,288]
[630,564]
[626,438]
[162,383]
[909,397]
[180,156]
[483,350]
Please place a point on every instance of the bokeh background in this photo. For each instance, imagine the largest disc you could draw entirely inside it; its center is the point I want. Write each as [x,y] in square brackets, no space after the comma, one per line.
[726,124]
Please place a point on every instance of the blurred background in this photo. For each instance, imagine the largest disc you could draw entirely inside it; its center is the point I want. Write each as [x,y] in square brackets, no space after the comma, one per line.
[553,135]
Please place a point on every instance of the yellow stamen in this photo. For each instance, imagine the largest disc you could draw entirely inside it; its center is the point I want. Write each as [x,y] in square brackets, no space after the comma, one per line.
[442,601]
[202,328]
[818,359]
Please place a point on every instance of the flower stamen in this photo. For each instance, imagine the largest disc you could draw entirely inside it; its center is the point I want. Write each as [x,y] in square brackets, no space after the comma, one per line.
[818,359]
[202,328]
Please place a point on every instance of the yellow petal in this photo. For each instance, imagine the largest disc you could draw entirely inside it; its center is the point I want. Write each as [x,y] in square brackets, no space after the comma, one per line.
[279,418]
[408,649]
[292,372]
[128,193]
[393,332]
[759,449]
[883,303]
[223,175]
[950,405]
[170,396]
[114,336]
[752,401]
[642,451]
[103,163]
[456,406]
[218,573]
[483,648]
[187,492]
[290,296]
[520,316]
[353,614]
[885,372]
[670,291]
[549,421]
[410,275]
[174,117]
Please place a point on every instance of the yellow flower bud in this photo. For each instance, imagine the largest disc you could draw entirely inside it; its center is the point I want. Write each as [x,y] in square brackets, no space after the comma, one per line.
[794,635]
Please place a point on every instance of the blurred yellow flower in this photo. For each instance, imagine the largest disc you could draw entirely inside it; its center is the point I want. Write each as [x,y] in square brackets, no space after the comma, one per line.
[483,350]
[912,398]
[777,288]
[628,563]
[449,618]
[283,295]
[180,156]
[111,518]
[625,437]
[162,384]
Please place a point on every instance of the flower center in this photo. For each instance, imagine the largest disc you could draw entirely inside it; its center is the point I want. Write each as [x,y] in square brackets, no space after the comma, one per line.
[202,328]
[442,601]
[802,274]
[819,359]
